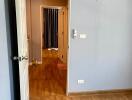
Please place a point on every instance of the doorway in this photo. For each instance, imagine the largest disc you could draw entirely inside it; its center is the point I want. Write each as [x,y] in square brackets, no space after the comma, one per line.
[49,76]
[54,29]
[50,28]
[39,77]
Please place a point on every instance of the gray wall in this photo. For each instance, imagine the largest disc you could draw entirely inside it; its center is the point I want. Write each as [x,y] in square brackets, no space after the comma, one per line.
[104,59]
[5,65]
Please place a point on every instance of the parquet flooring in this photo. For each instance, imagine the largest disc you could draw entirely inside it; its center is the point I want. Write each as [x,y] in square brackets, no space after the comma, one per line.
[47,82]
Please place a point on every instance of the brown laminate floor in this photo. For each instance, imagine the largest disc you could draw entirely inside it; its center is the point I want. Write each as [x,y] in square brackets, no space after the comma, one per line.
[50,53]
[47,82]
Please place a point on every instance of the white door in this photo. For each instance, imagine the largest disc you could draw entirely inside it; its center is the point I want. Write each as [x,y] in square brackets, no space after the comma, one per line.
[22,48]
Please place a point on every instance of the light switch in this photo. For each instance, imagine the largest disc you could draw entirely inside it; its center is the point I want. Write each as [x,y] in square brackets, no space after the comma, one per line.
[83,36]
[75,33]
[81,81]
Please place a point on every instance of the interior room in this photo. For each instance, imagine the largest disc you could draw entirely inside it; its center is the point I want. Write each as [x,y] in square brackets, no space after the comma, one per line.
[66,50]
[47,23]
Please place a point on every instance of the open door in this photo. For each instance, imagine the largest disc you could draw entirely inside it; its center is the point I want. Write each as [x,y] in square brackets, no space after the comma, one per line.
[61,34]
[22,48]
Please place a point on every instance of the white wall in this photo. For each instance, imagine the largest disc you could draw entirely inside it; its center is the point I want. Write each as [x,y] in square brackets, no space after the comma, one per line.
[104,59]
[5,87]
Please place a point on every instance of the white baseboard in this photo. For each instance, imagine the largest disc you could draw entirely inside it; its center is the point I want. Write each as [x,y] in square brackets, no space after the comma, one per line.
[37,62]
[30,64]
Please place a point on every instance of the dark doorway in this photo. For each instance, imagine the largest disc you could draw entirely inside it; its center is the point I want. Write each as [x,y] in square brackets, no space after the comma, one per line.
[50,35]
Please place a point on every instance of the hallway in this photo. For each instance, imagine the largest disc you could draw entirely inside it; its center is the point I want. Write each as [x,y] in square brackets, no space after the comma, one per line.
[47,79]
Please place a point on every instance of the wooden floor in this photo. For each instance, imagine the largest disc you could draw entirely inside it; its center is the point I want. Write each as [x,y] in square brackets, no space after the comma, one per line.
[50,53]
[47,82]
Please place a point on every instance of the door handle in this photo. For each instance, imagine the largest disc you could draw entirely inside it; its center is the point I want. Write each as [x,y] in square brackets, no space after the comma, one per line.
[24,58]
[15,58]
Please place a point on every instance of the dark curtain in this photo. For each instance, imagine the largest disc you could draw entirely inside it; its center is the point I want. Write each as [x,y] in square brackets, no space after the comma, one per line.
[50,28]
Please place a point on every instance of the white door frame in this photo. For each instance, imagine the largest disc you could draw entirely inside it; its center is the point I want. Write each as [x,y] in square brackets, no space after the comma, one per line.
[41,24]
[68,54]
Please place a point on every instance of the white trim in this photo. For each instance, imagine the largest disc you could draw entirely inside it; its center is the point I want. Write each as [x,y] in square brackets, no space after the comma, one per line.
[68,52]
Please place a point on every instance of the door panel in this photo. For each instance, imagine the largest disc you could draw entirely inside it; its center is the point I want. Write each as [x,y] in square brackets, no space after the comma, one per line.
[61,34]
[22,47]
[65,34]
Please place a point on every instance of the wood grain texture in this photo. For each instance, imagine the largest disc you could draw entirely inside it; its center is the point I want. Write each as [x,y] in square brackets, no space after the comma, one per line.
[48,82]
[50,53]
[47,79]
[63,34]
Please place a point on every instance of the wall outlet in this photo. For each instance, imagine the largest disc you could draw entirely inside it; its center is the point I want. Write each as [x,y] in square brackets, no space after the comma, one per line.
[81,81]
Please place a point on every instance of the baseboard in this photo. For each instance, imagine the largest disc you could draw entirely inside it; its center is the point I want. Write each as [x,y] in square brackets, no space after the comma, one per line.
[102,92]
[37,62]
[30,64]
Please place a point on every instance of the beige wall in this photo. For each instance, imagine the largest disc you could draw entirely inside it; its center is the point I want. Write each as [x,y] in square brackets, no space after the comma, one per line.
[28,5]
[35,31]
